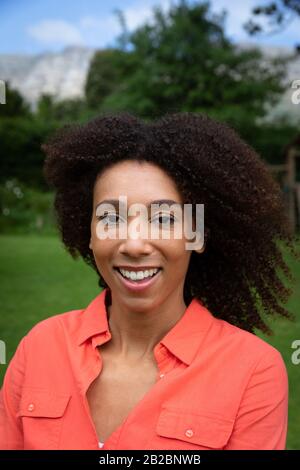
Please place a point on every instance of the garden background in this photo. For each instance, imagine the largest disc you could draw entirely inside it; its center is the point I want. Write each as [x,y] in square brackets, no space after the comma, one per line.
[183,60]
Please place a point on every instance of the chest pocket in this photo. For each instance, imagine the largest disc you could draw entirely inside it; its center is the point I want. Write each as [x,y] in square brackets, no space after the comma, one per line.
[42,413]
[184,429]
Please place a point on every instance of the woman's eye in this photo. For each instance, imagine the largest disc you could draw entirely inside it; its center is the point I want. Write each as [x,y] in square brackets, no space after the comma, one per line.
[109,218]
[161,219]
[164,219]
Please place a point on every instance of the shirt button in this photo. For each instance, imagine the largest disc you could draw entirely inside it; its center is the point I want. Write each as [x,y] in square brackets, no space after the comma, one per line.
[30,407]
[189,433]
[162,375]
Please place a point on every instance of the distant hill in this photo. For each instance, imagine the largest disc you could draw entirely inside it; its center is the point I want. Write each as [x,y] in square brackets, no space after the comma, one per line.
[63,74]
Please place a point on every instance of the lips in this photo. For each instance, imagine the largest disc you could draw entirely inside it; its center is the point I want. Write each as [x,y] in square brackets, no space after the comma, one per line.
[137,285]
[136,268]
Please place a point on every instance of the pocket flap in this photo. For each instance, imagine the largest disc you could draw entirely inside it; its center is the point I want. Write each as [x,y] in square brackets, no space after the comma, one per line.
[203,428]
[42,403]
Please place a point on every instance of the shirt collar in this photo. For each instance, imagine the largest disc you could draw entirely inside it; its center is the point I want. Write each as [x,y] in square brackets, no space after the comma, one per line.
[183,340]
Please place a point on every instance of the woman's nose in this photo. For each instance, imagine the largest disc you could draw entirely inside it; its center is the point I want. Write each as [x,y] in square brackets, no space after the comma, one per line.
[136,241]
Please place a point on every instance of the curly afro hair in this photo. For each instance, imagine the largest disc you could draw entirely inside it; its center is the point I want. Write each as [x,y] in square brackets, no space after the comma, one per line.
[236,277]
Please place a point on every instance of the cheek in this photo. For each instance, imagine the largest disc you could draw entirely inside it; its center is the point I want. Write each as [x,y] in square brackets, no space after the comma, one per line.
[177,257]
[102,250]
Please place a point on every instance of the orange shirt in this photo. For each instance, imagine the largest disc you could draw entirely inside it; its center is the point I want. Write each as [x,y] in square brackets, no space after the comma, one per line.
[218,387]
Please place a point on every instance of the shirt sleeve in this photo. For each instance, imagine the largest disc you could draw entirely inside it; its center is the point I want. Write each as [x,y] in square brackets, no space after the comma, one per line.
[261,421]
[11,435]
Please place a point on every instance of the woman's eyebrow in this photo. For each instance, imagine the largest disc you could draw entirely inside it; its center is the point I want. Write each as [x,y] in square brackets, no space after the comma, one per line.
[115,202]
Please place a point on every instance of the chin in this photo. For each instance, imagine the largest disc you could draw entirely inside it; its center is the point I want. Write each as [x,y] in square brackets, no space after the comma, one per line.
[141,303]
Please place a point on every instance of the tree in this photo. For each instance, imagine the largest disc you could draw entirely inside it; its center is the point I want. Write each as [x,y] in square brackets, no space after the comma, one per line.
[45,107]
[275,15]
[61,111]
[183,61]
[106,73]
[21,156]
[15,104]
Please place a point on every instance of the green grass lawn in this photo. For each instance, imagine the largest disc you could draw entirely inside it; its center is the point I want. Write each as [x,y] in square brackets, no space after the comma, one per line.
[39,279]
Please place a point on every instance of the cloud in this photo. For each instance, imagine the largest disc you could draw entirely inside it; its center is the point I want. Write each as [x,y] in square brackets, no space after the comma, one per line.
[140,12]
[56,32]
[89,30]
[100,31]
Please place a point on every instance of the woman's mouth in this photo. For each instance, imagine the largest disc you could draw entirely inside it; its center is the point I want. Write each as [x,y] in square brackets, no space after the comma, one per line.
[138,280]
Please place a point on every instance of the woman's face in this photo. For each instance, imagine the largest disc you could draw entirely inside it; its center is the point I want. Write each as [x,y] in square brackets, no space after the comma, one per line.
[140,183]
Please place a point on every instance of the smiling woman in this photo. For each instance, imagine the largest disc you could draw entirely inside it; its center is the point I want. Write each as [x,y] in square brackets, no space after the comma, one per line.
[146,364]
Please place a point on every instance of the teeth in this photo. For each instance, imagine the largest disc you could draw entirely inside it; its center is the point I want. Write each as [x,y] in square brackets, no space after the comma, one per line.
[138,275]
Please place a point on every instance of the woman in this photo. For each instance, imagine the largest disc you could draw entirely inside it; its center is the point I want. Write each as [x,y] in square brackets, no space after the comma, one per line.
[165,357]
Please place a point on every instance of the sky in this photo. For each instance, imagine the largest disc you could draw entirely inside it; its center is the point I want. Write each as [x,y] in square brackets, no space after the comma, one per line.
[38,26]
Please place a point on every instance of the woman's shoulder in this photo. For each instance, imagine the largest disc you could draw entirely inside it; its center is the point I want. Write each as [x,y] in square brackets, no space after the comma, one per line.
[248,345]
[54,327]
[47,342]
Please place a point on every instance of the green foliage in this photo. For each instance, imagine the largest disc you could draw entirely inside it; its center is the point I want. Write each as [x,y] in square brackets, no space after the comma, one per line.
[182,61]
[15,104]
[25,210]
[57,112]
[107,71]
[21,156]
[270,139]
[21,138]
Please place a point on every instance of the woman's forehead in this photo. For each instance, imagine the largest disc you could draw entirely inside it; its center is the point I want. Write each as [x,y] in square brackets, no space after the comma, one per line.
[140,167]
[136,180]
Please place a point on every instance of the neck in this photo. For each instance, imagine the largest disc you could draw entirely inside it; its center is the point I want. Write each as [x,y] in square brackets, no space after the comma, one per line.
[136,332]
